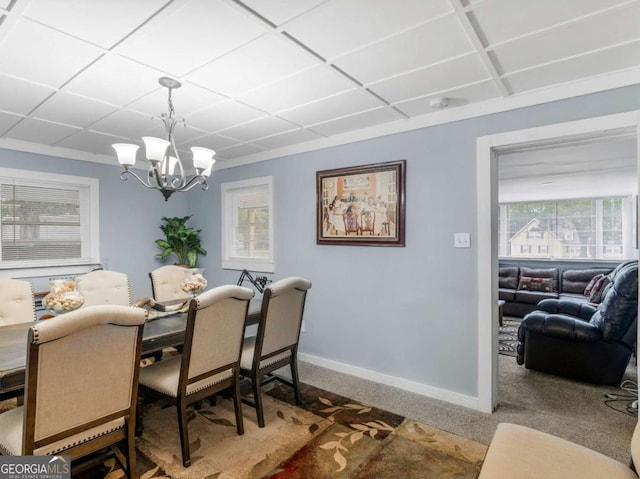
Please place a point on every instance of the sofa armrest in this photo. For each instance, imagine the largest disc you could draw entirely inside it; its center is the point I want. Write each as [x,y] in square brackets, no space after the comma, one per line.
[573,308]
[559,326]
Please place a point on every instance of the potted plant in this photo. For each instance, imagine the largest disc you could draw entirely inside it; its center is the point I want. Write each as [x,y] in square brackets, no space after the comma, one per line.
[180,240]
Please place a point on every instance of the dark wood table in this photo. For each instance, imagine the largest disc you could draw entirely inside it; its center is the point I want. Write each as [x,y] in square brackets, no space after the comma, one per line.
[158,333]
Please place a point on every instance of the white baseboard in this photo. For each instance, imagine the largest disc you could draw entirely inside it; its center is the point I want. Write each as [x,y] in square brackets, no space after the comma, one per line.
[400,383]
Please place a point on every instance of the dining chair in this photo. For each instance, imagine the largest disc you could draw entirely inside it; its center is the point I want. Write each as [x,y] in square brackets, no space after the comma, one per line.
[210,360]
[17,303]
[166,283]
[276,342]
[101,287]
[81,386]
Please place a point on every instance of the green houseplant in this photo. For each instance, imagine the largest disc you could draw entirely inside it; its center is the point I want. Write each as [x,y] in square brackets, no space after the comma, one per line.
[180,240]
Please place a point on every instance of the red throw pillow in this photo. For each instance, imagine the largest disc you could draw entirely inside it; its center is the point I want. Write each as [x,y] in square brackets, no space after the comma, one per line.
[598,289]
[592,283]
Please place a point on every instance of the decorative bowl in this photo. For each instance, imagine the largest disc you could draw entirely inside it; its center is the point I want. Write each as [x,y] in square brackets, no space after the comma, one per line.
[194,282]
[63,296]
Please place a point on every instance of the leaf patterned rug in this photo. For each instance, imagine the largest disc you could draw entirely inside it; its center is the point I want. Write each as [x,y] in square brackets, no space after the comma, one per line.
[329,436]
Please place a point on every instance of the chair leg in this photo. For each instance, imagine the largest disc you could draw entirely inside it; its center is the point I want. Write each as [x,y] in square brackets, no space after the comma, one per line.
[237,403]
[257,398]
[295,380]
[181,406]
[131,451]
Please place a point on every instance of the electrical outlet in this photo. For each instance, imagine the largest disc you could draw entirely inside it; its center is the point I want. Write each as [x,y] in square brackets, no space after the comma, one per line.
[462,240]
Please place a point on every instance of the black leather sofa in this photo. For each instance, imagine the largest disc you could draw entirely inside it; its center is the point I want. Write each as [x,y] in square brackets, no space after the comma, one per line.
[580,341]
[565,284]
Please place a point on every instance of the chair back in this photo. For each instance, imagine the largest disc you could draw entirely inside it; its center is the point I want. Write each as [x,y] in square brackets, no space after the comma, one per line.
[166,283]
[82,376]
[616,315]
[102,287]
[214,334]
[281,316]
[16,302]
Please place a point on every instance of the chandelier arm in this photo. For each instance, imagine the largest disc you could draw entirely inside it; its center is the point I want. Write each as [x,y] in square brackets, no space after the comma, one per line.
[126,172]
[195,181]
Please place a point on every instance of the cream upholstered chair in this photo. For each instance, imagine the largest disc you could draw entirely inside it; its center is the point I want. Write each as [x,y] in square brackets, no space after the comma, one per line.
[166,283]
[276,342]
[210,360]
[16,302]
[104,287]
[81,386]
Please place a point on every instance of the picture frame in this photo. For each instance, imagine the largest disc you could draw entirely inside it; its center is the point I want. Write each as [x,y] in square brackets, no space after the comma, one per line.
[361,205]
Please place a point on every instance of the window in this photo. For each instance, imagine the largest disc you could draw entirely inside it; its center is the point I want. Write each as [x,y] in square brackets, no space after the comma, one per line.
[47,220]
[599,228]
[247,225]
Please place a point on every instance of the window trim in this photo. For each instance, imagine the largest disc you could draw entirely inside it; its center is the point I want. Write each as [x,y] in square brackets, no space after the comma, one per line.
[90,188]
[227,224]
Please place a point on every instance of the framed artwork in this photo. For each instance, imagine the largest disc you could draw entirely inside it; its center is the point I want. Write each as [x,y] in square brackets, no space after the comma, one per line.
[361,205]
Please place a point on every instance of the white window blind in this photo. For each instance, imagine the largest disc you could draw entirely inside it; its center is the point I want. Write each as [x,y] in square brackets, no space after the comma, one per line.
[50,220]
[247,225]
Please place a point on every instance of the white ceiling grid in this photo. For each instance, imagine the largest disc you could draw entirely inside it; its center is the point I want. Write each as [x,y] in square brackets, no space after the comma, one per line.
[260,75]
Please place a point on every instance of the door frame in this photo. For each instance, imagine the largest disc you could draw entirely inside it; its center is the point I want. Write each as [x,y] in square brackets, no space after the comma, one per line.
[487,148]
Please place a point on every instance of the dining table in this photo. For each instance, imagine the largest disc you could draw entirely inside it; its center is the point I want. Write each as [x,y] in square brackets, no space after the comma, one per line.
[161,330]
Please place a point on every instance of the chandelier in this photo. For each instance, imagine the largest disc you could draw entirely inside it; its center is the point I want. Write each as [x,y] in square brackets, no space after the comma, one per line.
[164,158]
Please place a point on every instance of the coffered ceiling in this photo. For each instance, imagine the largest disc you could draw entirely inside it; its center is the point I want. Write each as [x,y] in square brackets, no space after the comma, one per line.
[260,77]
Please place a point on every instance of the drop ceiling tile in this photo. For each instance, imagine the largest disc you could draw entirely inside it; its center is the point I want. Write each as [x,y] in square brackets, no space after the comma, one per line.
[600,62]
[115,80]
[444,76]
[265,59]
[129,124]
[214,142]
[117,18]
[186,99]
[98,143]
[355,122]
[190,35]
[280,11]
[571,39]
[7,120]
[40,131]
[24,97]
[501,20]
[35,52]
[239,150]
[186,136]
[73,110]
[401,53]
[289,138]
[260,128]
[223,115]
[336,27]
[307,86]
[342,104]
[4,4]
[457,97]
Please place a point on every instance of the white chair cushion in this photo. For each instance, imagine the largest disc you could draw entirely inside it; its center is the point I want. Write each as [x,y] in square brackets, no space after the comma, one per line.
[11,428]
[164,376]
[248,349]
[518,452]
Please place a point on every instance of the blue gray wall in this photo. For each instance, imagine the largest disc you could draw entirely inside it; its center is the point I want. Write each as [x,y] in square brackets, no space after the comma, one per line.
[407,312]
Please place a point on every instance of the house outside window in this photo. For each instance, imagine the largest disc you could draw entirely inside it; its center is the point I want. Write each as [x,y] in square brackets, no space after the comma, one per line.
[593,229]
[247,225]
[47,221]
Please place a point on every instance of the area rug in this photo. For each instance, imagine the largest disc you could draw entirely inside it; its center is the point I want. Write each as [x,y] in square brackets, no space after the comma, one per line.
[508,336]
[329,436]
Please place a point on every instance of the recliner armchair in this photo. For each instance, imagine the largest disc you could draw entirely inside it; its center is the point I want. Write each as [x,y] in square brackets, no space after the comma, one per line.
[582,341]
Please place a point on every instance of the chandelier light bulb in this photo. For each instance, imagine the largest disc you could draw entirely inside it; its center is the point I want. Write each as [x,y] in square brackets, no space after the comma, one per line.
[126,153]
[155,147]
[202,157]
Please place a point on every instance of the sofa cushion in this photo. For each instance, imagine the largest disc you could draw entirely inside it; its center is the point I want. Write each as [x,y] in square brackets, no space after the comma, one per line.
[508,277]
[533,297]
[576,280]
[507,294]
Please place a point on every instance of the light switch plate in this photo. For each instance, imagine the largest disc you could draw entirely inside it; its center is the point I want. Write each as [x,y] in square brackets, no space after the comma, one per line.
[462,240]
